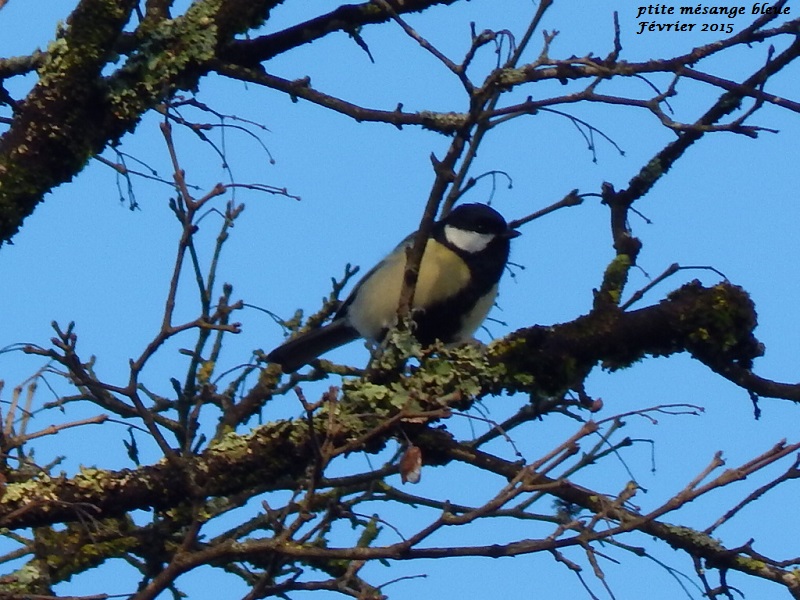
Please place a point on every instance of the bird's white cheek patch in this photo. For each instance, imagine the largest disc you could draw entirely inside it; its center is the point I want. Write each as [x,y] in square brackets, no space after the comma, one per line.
[468,241]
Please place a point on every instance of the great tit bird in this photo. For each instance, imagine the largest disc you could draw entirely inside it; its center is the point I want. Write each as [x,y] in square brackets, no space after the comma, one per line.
[457,286]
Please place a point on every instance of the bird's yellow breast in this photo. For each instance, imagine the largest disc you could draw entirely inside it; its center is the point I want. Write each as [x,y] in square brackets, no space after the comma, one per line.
[442,275]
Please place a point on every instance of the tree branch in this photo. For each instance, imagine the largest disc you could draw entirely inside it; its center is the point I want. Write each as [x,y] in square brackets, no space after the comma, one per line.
[347,18]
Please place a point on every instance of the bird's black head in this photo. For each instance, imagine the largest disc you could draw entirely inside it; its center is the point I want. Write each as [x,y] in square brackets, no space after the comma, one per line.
[470,228]
[477,217]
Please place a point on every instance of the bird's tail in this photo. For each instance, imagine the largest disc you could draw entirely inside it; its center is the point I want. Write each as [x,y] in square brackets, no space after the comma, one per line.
[306,347]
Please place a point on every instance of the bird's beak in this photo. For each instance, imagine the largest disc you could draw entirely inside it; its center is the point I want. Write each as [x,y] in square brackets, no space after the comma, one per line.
[510,234]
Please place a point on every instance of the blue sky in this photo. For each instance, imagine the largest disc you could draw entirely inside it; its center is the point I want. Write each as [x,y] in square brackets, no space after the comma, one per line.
[730,203]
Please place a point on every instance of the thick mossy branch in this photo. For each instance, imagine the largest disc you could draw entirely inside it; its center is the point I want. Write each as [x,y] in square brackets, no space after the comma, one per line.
[713,324]
[271,457]
[74,112]
[77,548]
[55,129]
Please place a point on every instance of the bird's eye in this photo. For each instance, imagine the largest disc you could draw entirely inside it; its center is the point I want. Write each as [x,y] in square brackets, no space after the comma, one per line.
[491,228]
